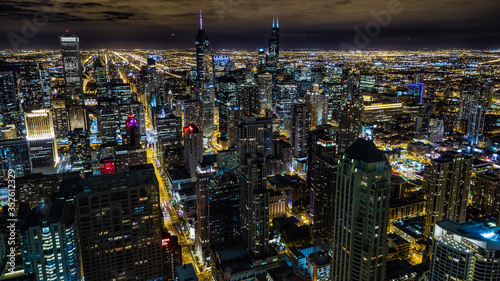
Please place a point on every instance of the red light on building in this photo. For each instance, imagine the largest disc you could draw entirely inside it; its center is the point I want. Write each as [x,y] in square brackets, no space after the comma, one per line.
[107,168]
[165,242]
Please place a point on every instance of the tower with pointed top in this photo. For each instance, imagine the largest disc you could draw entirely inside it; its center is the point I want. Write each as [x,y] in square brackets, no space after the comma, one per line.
[273,50]
[203,91]
[201,41]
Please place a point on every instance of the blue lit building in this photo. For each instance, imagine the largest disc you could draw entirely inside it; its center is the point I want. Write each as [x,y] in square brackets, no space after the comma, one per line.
[465,251]
[48,242]
[14,154]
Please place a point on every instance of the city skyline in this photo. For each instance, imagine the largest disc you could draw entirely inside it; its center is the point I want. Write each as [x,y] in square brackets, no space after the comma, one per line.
[267,163]
[245,25]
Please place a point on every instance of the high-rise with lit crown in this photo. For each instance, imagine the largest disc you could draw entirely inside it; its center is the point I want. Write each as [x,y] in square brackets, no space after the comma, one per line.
[359,246]
[273,50]
[41,137]
[204,91]
[193,148]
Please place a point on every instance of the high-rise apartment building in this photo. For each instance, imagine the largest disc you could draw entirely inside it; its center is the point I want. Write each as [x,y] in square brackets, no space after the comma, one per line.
[349,124]
[465,251]
[299,127]
[193,149]
[359,250]
[254,204]
[446,182]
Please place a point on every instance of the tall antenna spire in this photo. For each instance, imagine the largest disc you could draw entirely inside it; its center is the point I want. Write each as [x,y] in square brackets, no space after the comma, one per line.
[273,21]
[277,22]
[201,21]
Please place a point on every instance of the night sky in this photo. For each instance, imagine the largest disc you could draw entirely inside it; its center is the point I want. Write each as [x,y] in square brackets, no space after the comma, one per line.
[325,24]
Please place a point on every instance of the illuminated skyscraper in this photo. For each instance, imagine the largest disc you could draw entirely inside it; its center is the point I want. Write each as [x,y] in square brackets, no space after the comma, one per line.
[205,171]
[273,50]
[202,47]
[14,155]
[361,206]
[300,125]
[321,178]
[475,124]
[101,78]
[119,226]
[60,118]
[79,147]
[193,112]
[173,254]
[349,124]
[131,137]
[447,182]
[70,51]
[227,96]
[10,104]
[254,204]
[29,82]
[193,149]
[465,251]
[41,137]
[223,207]
[204,90]
[48,242]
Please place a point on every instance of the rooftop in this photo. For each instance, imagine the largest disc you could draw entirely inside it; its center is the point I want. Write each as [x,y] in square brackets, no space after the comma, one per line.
[366,151]
[186,272]
[484,233]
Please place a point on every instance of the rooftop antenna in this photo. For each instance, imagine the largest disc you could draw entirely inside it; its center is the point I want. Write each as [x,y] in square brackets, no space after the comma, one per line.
[201,21]
[273,21]
[277,22]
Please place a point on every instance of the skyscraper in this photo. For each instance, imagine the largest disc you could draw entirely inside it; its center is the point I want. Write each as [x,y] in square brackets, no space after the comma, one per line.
[223,207]
[119,226]
[475,124]
[173,254]
[465,251]
[10,104]
[250,137]
[273,49]
[14,155]
[349,124]
[79,147]
[204,90]
[321,178]
[360,214]
[41,138]
[205,171]
[227,96]
[254,204]
[60,117]
[193,112]
[48,242]
[299,127]
[202,47]
[193,149]
[70,52]
[446,182]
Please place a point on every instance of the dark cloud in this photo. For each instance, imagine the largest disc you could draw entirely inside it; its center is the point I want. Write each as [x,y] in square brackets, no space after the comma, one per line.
[243,23]
[115,16]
